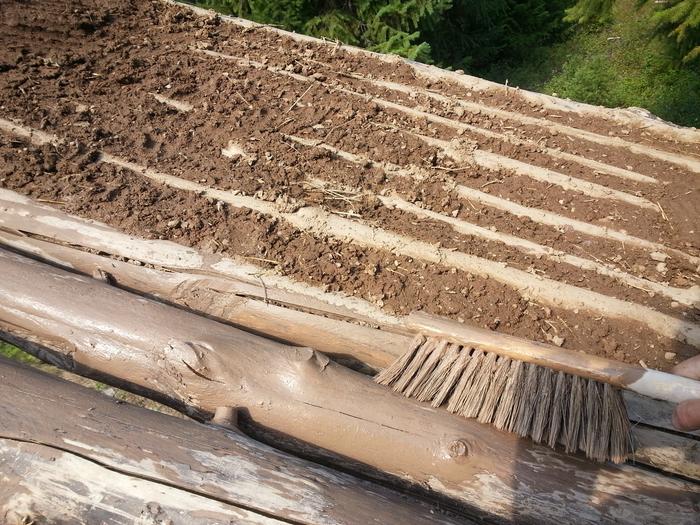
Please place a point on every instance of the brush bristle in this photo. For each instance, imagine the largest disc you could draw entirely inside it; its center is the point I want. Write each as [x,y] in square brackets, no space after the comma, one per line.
[550,407]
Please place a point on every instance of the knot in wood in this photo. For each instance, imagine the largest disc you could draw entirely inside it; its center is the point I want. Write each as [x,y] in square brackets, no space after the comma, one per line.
[458,448]
[311,357]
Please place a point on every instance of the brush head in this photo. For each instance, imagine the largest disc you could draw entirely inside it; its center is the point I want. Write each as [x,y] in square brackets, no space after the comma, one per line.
[550,407]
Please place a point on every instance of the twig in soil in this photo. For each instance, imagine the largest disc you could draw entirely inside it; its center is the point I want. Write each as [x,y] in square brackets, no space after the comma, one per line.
[48,201]
[567,326]
[347,213]
[250,106]
[497,181]
[297,100]
[290,145]
[588,253]
[276,263]
[394,271]
[682,194]
[340,125]
[452,169]
[552,325]
[663,213]
[287,121]
[640,288]
[337,195]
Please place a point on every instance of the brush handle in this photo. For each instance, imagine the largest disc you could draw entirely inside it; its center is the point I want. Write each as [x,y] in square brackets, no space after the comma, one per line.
[651,383]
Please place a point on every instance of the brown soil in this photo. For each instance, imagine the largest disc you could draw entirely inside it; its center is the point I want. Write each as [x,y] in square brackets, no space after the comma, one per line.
[87,72]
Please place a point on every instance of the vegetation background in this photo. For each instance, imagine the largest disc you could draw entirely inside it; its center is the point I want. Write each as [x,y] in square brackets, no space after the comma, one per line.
[617,53]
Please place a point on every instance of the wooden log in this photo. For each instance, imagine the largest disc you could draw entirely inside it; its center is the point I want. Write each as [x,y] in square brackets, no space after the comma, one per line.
[244,305]
[652,413]
[323,409]
[22,214]
[72,455]
[45,485]
[667,451]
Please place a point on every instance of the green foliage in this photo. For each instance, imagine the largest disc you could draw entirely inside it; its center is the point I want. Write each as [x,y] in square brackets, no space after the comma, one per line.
[679,20]
[617,64]
[591,81]
[15,353]
[589,11]
[452,33]
[387,26]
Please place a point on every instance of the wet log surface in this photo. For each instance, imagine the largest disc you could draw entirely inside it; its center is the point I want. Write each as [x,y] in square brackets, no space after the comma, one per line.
[226,291]
[199,365]
[72,455]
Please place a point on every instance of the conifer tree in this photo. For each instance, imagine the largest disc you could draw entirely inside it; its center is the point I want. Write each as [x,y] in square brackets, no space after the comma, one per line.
[681,22]
[678,20]
[464,34]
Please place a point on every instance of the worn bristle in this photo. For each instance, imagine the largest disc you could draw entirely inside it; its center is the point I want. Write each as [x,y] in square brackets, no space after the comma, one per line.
[620,430]
[507,403]
[550,407]
[393,372]
[543,404]
[526,402]
[478,388]
[437,378]
[494,390]
[608,394]
[461,391]
[452,376]
[560,409]
[423,375]
[573,415]
[593,420]
[414,366]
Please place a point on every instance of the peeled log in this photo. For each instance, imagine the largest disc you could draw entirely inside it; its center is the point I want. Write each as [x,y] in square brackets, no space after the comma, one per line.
[225,290]
[201,364]
[138,464]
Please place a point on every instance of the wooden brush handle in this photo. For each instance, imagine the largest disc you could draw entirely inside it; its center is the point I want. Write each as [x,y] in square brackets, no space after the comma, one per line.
[652,383]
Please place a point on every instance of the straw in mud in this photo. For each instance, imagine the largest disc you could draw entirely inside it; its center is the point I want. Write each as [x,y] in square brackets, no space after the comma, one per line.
[548,406]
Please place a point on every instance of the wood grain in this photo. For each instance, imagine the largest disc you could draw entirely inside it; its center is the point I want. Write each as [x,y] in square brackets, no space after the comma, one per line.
[243,304]
[64,447]
[199,365]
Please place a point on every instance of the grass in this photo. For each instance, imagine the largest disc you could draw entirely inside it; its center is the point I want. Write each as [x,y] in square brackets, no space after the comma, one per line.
[617,64]
[620,63]
[18,355]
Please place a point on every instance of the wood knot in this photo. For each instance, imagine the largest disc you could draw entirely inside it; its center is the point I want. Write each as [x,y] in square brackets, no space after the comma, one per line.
[311,357]
[458,448]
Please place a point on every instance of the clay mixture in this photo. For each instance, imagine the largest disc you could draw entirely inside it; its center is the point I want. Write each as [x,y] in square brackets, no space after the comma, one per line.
[324,151]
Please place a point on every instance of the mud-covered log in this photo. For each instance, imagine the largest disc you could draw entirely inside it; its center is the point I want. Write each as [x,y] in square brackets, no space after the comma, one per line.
[200,364]
[223,292]
[44,485]
[64,447]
